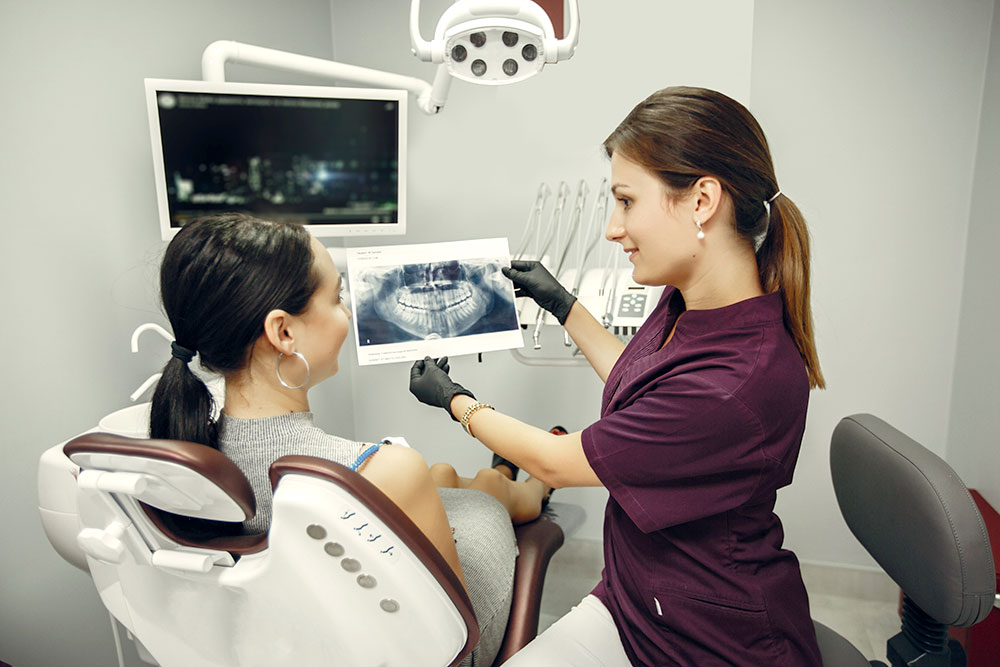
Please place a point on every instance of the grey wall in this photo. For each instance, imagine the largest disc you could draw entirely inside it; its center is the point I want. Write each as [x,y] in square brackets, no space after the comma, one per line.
[872,111]
[974,428]
[78,257]
[475,168]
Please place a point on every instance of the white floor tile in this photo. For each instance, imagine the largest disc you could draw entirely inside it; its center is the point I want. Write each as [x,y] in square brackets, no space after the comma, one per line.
[868,624]
[573,572]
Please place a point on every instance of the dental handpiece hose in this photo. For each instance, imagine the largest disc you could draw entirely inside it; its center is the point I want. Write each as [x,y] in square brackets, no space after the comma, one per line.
[532,279]
[609,307]
[573,230]
[596,225]
[555,220]
[531,229]
[554,225]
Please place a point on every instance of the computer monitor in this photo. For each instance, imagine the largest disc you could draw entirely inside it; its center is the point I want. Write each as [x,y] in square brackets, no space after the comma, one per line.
[333,159]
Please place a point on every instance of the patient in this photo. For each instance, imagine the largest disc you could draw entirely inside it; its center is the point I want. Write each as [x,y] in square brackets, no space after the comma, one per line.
[261,303]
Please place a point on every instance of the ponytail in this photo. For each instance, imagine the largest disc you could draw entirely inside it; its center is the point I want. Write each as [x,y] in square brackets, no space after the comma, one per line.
[181,408]
[219,278]
[783,265]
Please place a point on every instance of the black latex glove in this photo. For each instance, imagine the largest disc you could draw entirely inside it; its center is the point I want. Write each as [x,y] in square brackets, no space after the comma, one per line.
[430,383]
[532,279]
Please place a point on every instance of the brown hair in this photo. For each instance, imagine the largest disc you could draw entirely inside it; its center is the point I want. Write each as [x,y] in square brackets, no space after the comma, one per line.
[682,134]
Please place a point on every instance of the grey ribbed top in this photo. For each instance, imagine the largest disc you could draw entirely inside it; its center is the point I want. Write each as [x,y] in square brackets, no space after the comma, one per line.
[254,444]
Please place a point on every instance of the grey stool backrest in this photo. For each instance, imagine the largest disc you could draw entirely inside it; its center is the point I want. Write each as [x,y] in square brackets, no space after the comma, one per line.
[915,517]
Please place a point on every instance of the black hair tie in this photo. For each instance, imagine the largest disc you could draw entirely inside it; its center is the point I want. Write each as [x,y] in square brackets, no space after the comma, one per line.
[181,352]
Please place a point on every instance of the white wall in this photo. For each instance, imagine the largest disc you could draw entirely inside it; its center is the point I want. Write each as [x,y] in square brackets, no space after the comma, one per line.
[974,428]
[475,167]
[79,254]
[872,111]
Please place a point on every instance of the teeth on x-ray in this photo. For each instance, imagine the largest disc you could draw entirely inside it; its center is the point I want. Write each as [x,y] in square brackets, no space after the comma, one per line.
[435,301]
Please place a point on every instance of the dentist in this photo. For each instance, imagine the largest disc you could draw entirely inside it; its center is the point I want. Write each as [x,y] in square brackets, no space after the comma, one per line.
[703,411]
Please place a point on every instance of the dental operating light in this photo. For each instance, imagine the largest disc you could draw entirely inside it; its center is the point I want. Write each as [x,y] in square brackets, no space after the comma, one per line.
[488,42]
[494,42]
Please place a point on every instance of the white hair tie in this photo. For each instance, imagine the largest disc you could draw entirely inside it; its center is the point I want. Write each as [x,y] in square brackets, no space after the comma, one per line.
[767,203]
[759,241]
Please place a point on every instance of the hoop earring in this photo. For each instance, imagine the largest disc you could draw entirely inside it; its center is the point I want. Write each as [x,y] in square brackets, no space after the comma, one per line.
[701,232]
[277,371]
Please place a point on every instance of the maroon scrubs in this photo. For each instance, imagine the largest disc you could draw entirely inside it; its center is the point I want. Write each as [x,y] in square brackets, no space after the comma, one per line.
[694,441]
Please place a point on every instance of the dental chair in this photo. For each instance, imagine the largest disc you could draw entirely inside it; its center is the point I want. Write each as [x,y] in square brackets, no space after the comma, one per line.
[914,515]
[341,578]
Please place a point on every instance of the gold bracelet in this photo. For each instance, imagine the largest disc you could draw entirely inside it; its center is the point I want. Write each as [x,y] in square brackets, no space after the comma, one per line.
[471,410]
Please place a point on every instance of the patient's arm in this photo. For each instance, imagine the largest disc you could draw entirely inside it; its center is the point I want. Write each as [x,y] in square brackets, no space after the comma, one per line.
[402,474]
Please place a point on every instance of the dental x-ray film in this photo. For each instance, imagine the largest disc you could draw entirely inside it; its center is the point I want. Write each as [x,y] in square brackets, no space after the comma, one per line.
[431,299]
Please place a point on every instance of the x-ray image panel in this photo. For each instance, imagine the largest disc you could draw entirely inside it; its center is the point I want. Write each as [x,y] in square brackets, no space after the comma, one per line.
[432,299]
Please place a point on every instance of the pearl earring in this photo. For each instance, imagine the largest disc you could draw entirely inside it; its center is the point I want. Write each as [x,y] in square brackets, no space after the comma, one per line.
[701,232]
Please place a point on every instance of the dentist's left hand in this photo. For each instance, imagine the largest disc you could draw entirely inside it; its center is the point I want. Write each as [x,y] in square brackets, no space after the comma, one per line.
[430,383]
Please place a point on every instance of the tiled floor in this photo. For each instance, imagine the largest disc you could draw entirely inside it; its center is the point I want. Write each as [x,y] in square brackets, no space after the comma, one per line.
[859,604]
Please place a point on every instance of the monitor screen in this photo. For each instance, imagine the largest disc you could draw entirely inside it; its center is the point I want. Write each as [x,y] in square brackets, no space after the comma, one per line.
[332,159]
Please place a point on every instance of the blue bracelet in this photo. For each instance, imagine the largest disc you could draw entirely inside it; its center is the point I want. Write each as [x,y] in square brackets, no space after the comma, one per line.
[364,456]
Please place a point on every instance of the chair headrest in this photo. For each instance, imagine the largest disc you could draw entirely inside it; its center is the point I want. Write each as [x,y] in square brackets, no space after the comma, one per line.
[914,515]
[183,478]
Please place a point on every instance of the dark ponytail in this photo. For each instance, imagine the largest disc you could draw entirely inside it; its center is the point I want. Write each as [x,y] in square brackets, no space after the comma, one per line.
[219,279]
[182,406]
[682,134]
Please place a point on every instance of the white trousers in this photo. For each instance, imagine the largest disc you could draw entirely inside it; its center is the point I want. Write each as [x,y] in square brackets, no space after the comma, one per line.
[585,637]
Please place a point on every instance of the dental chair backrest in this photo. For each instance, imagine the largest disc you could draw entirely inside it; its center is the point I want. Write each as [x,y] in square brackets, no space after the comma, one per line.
[916,518]
[342,577]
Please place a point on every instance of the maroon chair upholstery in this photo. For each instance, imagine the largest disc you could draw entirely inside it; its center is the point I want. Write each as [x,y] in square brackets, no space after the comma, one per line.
[214,467]
[537,541]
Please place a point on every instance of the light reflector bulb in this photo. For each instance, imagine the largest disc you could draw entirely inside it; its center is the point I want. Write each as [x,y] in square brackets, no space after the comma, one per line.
[493,55]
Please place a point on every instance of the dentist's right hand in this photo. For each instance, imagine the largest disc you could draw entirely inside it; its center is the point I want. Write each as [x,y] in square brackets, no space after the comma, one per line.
[532,279]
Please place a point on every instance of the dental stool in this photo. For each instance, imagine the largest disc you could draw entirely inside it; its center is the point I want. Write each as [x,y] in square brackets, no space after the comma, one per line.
[914,515]
[343,577]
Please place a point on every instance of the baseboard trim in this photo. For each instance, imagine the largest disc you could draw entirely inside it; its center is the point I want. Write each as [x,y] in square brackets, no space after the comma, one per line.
[853,581]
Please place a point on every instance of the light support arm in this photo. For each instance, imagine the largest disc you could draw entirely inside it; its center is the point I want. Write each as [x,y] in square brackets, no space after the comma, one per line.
[430,98]
[567,45]
[420,47]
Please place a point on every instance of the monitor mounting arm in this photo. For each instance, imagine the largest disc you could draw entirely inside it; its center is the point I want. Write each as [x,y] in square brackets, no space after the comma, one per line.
[430,98]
